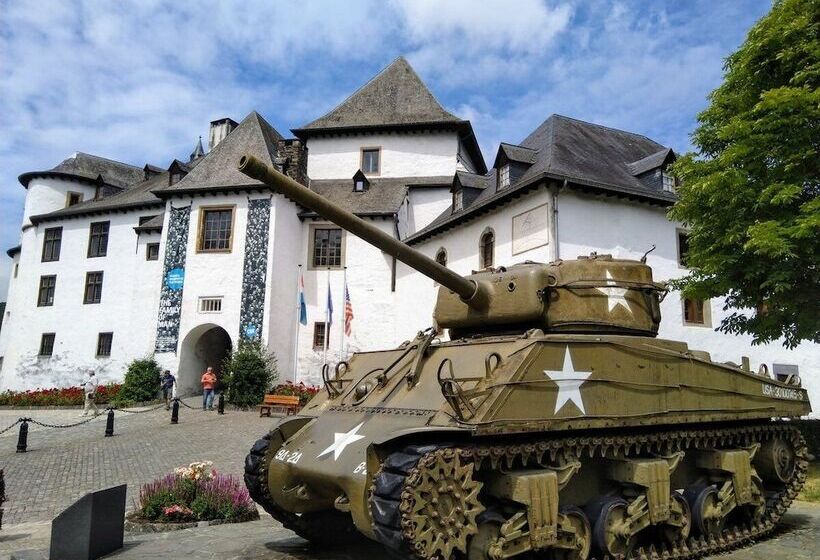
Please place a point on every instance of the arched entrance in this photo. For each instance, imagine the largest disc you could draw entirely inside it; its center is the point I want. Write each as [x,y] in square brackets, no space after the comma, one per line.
[206,345]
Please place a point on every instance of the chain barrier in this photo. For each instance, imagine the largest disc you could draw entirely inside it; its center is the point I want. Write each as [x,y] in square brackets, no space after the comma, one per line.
[186,405]
[152,409]
[4,430]
[75,424]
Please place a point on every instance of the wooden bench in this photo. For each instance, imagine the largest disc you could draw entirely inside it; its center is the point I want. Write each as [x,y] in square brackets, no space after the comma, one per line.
[289,402]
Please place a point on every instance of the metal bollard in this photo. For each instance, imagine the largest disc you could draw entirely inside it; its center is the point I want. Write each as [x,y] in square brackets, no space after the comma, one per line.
[175,412]
[22,439]
[109,423]
[220,407]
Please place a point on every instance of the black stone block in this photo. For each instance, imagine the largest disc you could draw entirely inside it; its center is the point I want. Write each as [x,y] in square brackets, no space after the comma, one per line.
[90,528]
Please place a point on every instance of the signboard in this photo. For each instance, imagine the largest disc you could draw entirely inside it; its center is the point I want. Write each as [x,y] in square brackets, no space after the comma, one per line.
[530,229]
[175,279]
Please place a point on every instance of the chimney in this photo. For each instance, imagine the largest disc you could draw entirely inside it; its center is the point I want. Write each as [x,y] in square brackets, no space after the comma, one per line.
[220,128]
[291,159]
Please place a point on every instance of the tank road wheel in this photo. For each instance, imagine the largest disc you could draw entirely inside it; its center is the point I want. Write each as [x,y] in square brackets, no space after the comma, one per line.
[680,532]
[579,524]
[611,533]
[776,461]
[704,503]
[440,505]
[482,541]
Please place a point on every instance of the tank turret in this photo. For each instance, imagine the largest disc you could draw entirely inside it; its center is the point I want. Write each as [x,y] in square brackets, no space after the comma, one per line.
[590,294]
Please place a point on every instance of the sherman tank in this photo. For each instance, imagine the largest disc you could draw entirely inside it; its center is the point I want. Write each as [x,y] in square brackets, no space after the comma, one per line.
[550,423]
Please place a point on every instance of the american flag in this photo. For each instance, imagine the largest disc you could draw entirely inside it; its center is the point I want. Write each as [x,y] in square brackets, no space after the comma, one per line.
[348,313]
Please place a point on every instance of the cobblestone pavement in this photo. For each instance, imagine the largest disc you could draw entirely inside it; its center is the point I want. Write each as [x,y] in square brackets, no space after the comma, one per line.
[64,464]
[798,538]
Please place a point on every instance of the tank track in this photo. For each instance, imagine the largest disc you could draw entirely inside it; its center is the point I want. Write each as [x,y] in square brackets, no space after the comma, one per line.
[391,501]
[309,526]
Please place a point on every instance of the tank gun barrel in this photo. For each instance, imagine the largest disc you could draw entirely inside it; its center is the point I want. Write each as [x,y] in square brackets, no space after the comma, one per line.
[469,291]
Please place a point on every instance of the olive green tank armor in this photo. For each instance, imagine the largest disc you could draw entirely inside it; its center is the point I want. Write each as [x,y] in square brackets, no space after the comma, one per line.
[552,420]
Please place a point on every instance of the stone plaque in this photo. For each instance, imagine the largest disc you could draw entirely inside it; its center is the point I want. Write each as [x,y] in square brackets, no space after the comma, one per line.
[530,229]
[91,527]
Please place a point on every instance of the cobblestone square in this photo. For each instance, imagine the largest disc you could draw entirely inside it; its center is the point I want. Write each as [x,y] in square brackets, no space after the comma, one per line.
[64,464]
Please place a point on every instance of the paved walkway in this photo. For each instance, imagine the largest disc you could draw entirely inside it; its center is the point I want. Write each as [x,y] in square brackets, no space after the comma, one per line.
[63,465]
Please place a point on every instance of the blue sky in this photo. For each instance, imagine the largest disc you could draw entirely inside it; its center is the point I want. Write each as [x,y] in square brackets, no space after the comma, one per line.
[139,81]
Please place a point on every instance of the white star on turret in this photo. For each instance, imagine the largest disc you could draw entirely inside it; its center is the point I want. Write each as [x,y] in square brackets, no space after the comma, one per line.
[615,295]
[341,441]
[569,384]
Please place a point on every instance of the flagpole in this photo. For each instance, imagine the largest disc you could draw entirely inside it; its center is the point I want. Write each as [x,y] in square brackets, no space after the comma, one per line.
[344,318]
[298,322]
[327,318]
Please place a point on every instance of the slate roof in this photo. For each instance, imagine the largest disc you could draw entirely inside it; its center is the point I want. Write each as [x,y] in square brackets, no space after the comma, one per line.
[14,250]
[650,162]
[383,197]
[396,98]
[154,224]
[140,195]
[588,156]
[517,153]
[87,167]
[474,180]
[217,170]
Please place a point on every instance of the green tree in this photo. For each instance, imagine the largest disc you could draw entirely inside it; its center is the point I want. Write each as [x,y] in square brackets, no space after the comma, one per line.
[141,382]
[249,373]
[749,196]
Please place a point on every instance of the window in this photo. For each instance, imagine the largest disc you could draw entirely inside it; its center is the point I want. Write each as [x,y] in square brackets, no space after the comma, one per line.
[73,198]
[93,287]
[46,295]
[326,248]
[441,256]
[458,200]
[358,185]
[696,312]
[215,228]
[370,160]
[210,305]
[16,269]
[46,344]
[504,176]
[683,247]
[152,252]
[52,240]
[98,239]
[486,248]
[669,182]
[104,340]
[318,336]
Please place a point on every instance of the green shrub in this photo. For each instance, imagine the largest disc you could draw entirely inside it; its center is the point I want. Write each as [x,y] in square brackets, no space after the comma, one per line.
[248,373]
[141,382]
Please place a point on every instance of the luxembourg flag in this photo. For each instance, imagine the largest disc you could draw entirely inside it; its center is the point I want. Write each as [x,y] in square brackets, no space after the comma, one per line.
[302,304]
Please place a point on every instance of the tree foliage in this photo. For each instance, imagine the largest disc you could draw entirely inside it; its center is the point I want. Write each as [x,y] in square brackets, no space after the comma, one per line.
[141,382]
[249,373]
[749,196]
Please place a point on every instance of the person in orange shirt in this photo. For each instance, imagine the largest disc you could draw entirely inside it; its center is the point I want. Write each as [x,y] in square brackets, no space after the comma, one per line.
[208,382]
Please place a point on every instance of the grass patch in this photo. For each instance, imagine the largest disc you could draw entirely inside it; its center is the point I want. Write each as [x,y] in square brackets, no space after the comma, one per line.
[811,491]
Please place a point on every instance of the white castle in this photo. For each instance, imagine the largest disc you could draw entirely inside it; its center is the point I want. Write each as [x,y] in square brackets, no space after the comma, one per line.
[117,262]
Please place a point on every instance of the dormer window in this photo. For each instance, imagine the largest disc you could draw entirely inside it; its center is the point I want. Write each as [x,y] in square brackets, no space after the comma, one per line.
[504,176]
[669,182]
[360,182]
[458,200]
[176,172]
[175,177]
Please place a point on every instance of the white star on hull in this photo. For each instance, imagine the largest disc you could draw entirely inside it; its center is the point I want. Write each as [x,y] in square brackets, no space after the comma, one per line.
[569,384]
[615,295]
[341,441]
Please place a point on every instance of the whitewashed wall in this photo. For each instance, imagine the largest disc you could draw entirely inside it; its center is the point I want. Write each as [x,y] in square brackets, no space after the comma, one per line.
[425,205]
[44,195]
[128,306]
[402,155]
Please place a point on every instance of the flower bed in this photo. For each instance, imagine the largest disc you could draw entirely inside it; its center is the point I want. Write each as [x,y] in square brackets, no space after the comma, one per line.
[304,392]
[68,396]
[192,494]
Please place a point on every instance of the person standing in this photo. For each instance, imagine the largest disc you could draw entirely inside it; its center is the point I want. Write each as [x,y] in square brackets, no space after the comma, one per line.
[208,382]
[90,390]
[167,382]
